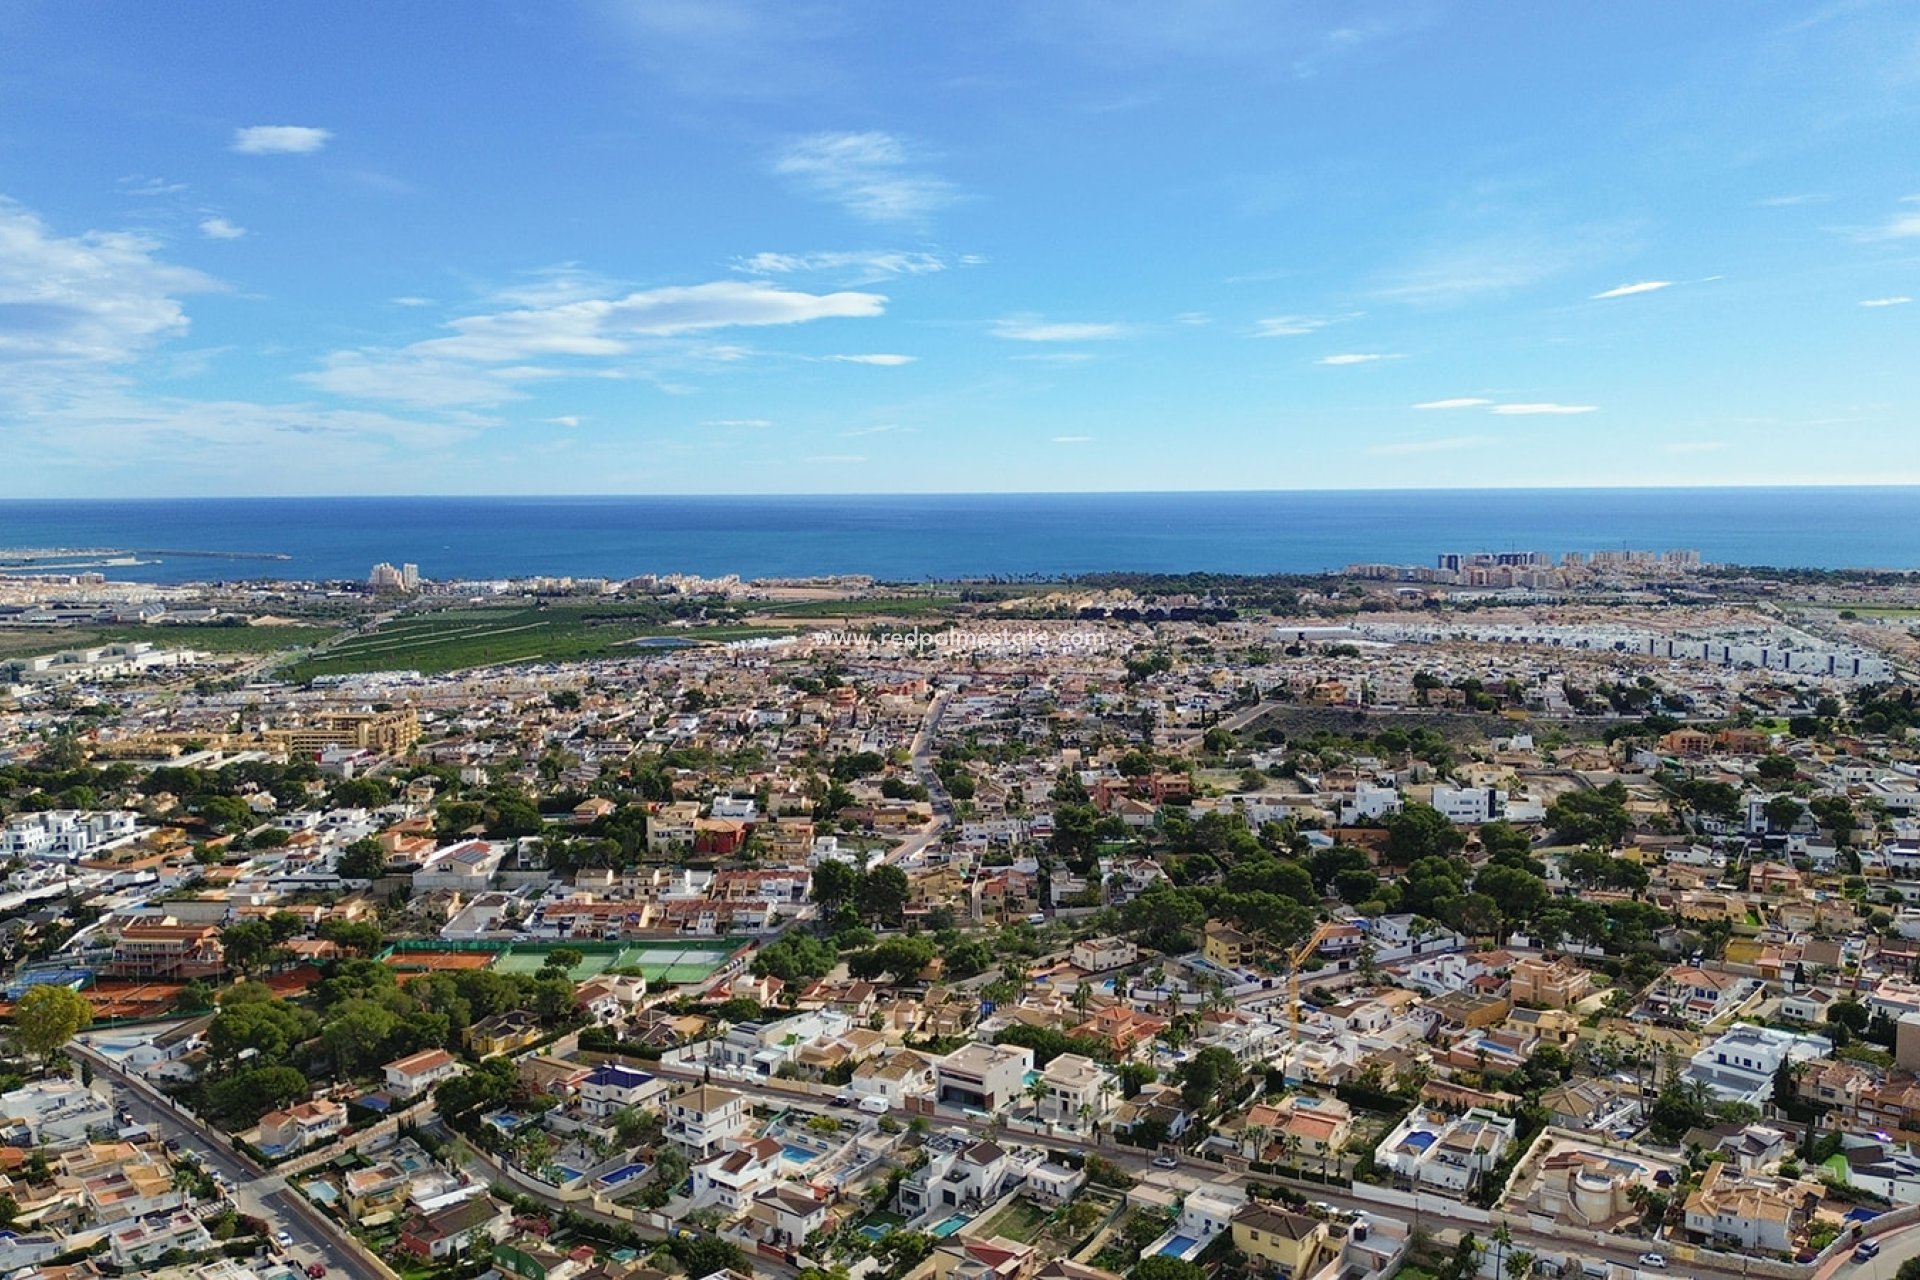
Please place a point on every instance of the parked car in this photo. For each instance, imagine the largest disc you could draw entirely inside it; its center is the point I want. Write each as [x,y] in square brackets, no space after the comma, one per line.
[1653,1260]
[1866,1251]
[315,1270]
[1166,1162]
[843,1100]
[284,1239]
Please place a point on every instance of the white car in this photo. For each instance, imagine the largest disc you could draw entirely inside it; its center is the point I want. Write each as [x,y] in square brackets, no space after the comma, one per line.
[284,1239]
[1653,1260]
[1166,1162]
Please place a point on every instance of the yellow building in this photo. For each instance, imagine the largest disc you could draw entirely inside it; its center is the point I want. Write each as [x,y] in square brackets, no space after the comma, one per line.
[503,1032]
[387,732]
[1226,946]
[1293,1243]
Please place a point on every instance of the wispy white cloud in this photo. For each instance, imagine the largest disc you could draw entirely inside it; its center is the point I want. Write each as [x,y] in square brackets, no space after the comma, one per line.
[566,420]
[887,359]
[1447,445]
[549,286]
[1359,357]
[862,266]
[220,229]
[836,459]
[1288,326]
[885,429]
[1781,202]
[1056,357]
[1479,269]
[403,378]
[1072,439]
[138,185]
[227,441]
[485,357]
[873,175]
[1544,407]
[411,300]
[279,139]
[99,297]
[1899,300]
[1033,329]
[1458,402]
[1693,446]
[1902,226]
[608,326]
[1193,318]
[753,424]
[1627,290]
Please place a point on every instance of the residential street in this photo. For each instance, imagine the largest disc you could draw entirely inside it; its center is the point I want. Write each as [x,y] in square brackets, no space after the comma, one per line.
[255,1192]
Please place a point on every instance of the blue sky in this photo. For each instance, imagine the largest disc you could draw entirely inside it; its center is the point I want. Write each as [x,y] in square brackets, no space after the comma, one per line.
[710,246]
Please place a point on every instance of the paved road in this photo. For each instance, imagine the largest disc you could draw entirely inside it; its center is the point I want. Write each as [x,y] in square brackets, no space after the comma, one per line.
[1435,1213]
[254,1190]
[481,1166]
[921,755]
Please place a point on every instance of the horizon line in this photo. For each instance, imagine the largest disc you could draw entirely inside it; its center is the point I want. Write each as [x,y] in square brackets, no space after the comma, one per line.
[977,493]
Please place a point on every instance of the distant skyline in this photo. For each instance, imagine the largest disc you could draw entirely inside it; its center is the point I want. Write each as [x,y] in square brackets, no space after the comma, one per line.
[712,246]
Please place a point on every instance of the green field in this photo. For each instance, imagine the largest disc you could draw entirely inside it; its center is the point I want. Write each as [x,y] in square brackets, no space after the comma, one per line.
[660,961]
[456,639]
[899,607]
[17,641]
[1877,610]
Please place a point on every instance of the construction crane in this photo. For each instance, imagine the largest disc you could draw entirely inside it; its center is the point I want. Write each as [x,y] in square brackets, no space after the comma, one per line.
[1296,958]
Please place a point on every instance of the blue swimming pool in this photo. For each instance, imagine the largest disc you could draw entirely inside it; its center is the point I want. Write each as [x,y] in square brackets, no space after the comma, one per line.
[624,1173]
[1177,1247]
[951,1225]
[799,1155]
[1421,1139]
[566,1174]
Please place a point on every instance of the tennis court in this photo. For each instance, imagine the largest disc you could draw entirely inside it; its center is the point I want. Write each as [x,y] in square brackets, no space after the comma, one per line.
[674,961]
[531,961]
[662,961]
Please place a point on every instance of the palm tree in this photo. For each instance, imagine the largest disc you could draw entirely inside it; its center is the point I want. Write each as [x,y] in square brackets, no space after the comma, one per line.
[1255,1135]
[1519,1265]
[1503,1240]
[1037,1091]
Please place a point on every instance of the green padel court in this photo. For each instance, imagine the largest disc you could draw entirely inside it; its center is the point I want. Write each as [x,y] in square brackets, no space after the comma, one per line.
[672,961]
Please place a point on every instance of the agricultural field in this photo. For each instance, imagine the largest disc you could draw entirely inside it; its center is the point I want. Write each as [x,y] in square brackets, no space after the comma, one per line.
[893,607]
[456,639]
[22,641]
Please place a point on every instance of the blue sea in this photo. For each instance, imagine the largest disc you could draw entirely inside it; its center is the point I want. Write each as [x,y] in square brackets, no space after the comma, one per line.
[914,537]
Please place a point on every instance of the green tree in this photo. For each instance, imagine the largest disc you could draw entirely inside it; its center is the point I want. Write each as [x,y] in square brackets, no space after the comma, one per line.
[1596,817]
[1211,1076]
[1420,831]
[705,1255]
[364,859]
[269,1027]
[47,1016]
[835,884]
[242,1098]
[1783,813]
[486,1086]
[1161,1267]
[883,894]
[247,945]
[356,1036]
